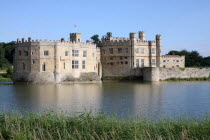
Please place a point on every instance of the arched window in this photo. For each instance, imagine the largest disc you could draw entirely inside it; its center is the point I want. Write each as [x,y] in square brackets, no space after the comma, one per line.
[24,67]
[43,67]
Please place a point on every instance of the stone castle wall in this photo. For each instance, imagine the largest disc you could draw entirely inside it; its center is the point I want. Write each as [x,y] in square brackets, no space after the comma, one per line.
[124,57]
[172,61]
[54,61]
[166,73]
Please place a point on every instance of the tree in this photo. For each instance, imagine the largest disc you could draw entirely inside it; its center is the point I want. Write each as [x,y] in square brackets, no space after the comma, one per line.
[95,38]
[9,50]
[108,34]
[3,61]
[193,58]
[9,72]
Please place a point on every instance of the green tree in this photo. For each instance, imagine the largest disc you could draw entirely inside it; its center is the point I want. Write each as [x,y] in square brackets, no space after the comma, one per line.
[193,58]
[9,51]
[3,61]
[9,72]
[108,34]
[95,38]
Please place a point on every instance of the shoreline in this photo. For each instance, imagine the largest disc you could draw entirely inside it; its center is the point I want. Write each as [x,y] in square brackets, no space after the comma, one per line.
[3,79]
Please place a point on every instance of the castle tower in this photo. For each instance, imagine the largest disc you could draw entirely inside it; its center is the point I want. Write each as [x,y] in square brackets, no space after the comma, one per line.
[133,42]
[142,35]
[158,49]
[75,37]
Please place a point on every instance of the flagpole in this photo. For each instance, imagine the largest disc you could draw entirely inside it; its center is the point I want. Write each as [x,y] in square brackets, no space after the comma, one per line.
[75,27]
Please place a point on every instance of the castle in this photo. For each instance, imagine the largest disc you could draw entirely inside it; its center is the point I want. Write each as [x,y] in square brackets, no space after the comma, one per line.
[68,61]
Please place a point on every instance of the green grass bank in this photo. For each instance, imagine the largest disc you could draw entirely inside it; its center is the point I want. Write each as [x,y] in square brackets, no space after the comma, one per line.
[4,79]
[189,79]
[100,127]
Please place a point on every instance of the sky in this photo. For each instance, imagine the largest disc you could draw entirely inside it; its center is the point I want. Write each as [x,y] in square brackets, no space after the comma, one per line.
[184,24]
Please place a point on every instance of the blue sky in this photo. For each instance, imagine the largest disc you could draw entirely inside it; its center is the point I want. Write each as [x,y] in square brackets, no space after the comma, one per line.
[184,24]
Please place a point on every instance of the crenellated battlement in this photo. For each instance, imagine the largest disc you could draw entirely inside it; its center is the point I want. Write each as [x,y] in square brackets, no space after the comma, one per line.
[52,42]
[145,42]
[119,39]
[115,41]
[172,56]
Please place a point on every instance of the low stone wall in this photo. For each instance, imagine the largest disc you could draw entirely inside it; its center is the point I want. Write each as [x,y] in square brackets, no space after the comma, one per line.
[34,77]
[151,74]
[166,73]
[50,77]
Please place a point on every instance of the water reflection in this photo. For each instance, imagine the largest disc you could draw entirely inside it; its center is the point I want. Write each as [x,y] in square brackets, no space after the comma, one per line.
[150,100]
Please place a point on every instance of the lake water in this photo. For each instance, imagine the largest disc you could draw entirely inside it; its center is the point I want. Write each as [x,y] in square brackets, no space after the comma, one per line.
[126,99]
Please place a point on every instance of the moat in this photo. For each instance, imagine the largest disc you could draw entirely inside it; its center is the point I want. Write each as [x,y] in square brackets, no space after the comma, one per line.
[126,99]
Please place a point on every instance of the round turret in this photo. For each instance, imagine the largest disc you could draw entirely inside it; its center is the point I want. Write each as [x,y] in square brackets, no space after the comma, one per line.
[132,35]
[158,37]
[142,35]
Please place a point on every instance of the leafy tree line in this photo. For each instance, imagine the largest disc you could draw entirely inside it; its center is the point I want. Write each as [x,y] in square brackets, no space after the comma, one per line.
[6,54]
[192,58]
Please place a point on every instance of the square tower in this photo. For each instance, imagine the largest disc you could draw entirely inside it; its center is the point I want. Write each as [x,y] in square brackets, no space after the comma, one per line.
[75,37]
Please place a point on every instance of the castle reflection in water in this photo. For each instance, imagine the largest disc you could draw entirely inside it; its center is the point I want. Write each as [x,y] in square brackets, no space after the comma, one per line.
[125,99]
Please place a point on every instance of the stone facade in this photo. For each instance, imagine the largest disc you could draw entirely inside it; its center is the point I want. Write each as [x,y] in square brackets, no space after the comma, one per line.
[167,73]
[122,56]
[56,61]
[70,61]
[172,61]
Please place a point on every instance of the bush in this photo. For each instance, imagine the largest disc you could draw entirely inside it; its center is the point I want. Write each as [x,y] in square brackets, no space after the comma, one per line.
[9,72]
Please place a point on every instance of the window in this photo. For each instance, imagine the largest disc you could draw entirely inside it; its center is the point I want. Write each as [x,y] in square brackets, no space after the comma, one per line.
[142,62]
[33,62]
[83,64]
[111,58]
[75,53]
[153,62]
[177,60]
[126,62]
[126,50]
[20,53]
[137,62]
[177,66]
[164,60]
[126,57]
[43,67]
[119,50]
[111,63]
[111,50]
[75,64]
[121,57]
[46,53]
[64,65]
[32,53]
[142,51]
[26,53]
[66,53]
[24,67]
[121,62]
[137,50]
[152,51]
[84,53]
